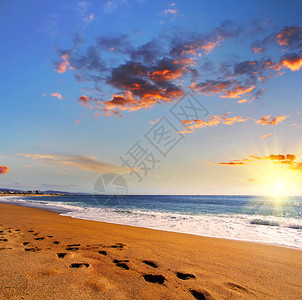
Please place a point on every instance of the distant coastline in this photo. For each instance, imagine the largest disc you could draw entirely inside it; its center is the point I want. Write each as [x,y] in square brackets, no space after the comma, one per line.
[31,195]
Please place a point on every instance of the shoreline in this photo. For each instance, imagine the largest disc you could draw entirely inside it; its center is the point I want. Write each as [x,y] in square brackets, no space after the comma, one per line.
[64,211]
[221,268]
[275,244]
[31,195]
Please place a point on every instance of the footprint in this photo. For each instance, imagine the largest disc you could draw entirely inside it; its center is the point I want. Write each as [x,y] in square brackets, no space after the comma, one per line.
[25,243]
[32,249]
[39,238]
[236,287]
[56,242]
[121,263]
[118,246]
[154,278]
[103,252]
[61,255]
[72,248]
[184,276]
[30,231]
[5,248]
[200,295]
[3,240]
[150,263]
[50,236]
[78,265]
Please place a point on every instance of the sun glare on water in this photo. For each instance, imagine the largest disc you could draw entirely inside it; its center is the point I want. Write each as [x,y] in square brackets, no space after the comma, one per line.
[275,184]
[280,183]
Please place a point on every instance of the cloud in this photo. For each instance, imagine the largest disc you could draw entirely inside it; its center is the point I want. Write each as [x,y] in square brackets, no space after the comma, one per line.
[244,101]
[296,125]
[3,169]
[86,163]
[125,76]
[256,49]
[89,18]
[231,163]
[268,120]
[172,11]
[266,136]
[288,160]
[292,61]
[83,100]
[290,37]
[190,125]
[154,122]
[58,95]
[237,80]
[64,64]
[237,92]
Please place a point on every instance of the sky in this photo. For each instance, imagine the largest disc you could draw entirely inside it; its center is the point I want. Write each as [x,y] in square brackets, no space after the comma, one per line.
[175,97]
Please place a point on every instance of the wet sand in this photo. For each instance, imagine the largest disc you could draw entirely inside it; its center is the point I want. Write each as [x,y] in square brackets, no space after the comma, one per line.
[47,256]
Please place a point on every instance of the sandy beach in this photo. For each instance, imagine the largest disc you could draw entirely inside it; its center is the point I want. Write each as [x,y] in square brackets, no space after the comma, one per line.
[47,256]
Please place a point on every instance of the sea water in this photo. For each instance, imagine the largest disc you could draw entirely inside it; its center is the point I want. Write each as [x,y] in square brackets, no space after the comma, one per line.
[249,218]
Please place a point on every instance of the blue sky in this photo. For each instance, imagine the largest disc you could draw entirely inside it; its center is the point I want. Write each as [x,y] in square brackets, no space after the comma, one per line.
[84,81]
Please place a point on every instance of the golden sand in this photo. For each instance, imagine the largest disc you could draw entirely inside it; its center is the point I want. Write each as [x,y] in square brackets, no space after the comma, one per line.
[47,256]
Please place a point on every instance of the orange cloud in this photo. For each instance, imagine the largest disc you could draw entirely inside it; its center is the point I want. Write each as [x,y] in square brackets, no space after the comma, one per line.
[266,136]
[294,62]
[231,121]
[167,74]
[289,36]
[3,169]
[64,64]
[226,88]
[268,120]
[148,97]
[129,103]
[257,49]
[232,163]
[83,100]
[237,92]
[190,125]
[154,122]
[58,95]
[201,46]
[296,125]
[243,101]
[287,159]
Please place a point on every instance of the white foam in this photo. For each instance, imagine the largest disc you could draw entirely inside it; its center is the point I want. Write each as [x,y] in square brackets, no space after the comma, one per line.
[236,227]
[43,204]
[220,226]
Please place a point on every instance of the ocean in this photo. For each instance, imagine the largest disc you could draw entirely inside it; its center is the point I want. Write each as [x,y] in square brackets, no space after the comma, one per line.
[249,218]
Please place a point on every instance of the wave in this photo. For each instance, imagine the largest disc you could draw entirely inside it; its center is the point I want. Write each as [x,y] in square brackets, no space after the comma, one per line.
[274,230]
[264,222]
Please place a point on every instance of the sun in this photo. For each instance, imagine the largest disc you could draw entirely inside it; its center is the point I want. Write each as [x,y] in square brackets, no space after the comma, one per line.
[275,180]
[279,185]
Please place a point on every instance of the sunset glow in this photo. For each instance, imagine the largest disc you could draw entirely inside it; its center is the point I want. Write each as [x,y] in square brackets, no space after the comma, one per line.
[109,81]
